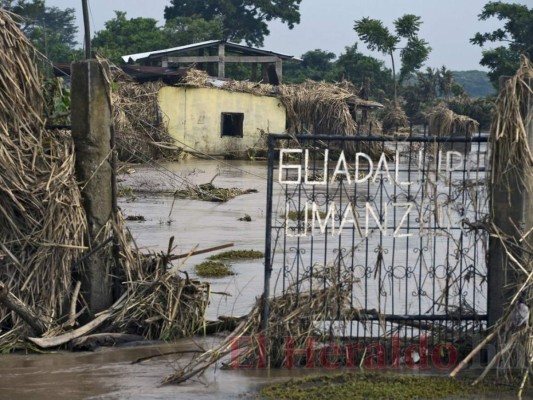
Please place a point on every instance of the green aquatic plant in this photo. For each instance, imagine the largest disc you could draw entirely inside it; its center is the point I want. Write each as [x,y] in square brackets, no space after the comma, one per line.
[213,269]
[237,255]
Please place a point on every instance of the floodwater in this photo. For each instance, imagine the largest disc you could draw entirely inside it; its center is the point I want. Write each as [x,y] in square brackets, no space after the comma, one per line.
[110,373]
[198,224]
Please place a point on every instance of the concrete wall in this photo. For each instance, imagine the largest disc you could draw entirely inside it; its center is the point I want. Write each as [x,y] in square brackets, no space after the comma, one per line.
[193,117]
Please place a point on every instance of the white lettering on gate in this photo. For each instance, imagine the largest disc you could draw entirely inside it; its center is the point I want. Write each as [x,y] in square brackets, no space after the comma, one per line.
[391,219]
[303,227]
[362,165]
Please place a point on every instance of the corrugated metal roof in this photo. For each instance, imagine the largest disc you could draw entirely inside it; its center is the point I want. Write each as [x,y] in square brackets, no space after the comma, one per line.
[208,43]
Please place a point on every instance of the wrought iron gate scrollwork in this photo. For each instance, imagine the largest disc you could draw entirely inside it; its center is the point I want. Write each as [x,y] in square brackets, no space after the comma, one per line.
[392,221]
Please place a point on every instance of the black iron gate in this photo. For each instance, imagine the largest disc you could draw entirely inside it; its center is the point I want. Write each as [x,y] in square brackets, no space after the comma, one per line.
[393,222]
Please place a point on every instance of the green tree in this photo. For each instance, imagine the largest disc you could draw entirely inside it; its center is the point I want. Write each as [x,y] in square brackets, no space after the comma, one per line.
[427,83]
[354,66]
[241,19]
[316,65]
[378,37]
[426,89]
[50,29]
[420,94]
[187,30]
[123,36]
[517,33]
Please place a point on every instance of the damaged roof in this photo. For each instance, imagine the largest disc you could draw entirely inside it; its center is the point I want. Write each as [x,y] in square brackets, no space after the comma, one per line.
[237,48]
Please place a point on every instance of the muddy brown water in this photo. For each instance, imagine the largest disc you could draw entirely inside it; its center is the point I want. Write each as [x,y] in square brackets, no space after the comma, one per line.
[109,373]
[203,224]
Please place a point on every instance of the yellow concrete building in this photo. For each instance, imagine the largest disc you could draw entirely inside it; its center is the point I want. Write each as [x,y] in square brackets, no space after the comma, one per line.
[219,122]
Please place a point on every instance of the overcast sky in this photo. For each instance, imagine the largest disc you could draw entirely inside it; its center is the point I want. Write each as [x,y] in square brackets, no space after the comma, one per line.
[328,24]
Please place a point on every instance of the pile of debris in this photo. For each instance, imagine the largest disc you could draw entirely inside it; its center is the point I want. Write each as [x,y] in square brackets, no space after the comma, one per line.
[43,230]
[141,134]
[444,122]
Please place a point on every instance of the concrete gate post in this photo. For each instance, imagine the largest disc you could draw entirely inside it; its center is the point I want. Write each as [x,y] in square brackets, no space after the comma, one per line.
[511,207]
[91,130]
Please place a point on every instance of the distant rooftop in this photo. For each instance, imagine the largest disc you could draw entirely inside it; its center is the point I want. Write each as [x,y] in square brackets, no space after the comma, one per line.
[234,47]
[213,55]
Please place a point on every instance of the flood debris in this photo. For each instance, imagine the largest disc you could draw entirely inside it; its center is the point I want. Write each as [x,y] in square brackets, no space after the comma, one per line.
[195,252]
[209,192]
[216,265]
[42,222]
[510,134]
[92,342]
[138,121]
[394,118]
[444,122]
[138,218]
[235,255]
[295,314]
[361,385]
[43,227]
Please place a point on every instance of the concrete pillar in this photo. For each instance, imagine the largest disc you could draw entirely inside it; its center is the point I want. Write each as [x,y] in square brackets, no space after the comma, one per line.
[91,131]
[279,70]
[222,60]
[511,207]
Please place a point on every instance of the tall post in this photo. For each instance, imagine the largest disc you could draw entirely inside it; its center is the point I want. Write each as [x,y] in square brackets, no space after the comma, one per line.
[268,236]
[87,29]
[511,209]
[91,131]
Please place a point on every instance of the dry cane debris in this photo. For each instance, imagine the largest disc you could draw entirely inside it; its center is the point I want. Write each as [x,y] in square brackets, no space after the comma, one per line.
[513,333]
[42,230]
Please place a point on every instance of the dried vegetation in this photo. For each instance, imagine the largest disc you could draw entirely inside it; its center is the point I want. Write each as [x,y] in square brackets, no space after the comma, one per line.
[316,108]
[512,161]
[138,123]
[444,122]
[297,314]
[43,229]
[394,118]
[41,221]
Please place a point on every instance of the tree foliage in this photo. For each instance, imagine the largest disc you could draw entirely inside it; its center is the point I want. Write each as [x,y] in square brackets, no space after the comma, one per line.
[517,34]
[425,89]
[187,30]
[352,66]
[241,19]
[50,29]
[480,109]
[317,65]
[355,67]
[123,36]
[378,37]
